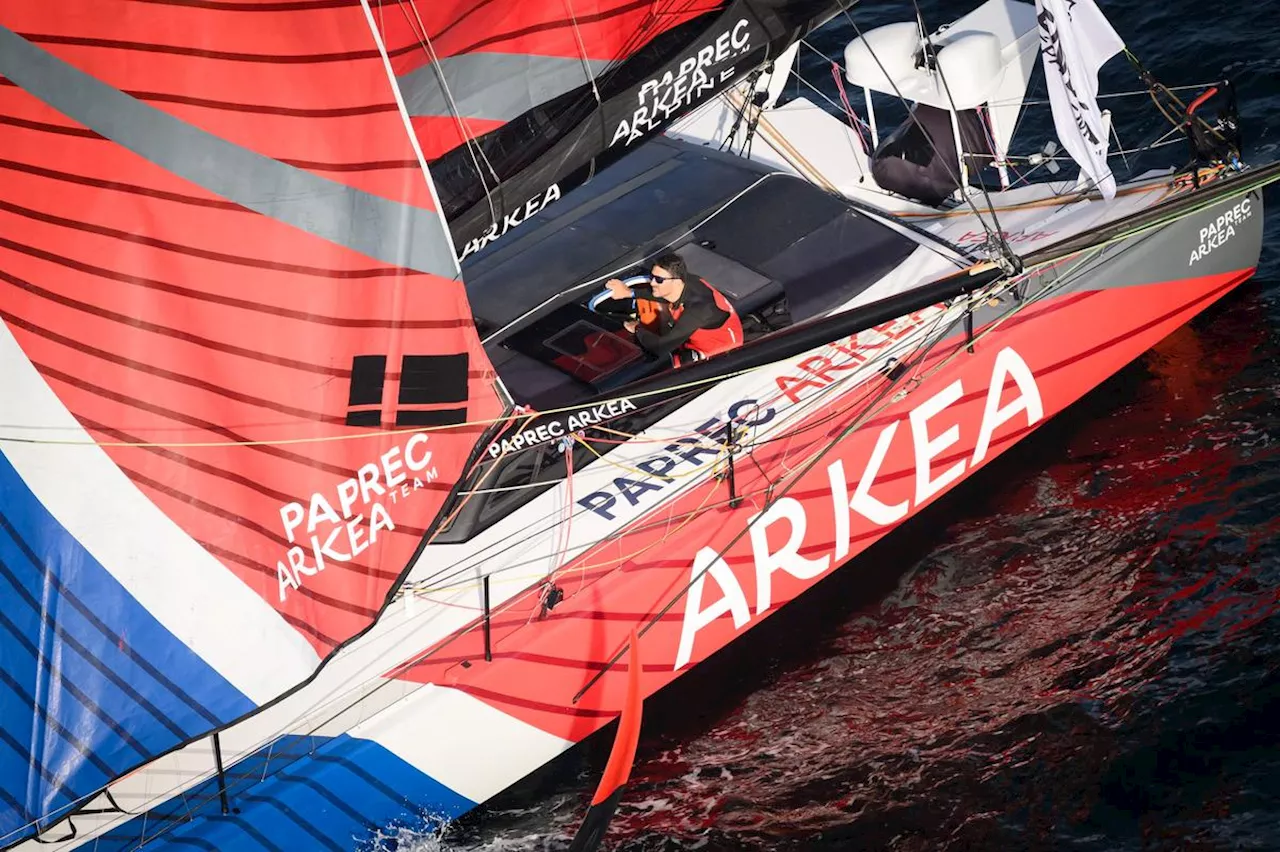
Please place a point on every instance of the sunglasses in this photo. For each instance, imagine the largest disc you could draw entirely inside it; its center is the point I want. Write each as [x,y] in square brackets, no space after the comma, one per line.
[659,279]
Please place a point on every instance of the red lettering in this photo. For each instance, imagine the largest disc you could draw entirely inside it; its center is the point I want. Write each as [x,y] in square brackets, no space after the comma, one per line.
[790,386]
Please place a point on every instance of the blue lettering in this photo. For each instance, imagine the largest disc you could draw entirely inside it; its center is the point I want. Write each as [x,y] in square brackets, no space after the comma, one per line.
[599,502]
[633,488]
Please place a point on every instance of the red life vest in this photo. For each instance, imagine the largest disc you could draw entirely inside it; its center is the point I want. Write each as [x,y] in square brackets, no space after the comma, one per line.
[704,342]
[712,341]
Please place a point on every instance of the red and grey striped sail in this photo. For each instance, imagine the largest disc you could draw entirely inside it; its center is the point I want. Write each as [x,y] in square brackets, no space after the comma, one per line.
[516,103]
[238,372]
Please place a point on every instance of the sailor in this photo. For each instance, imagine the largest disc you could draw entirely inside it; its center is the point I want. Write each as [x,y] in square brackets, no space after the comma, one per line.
[678,315]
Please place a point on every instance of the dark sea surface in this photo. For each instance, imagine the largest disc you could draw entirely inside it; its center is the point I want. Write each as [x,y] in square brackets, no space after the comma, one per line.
[1077,649]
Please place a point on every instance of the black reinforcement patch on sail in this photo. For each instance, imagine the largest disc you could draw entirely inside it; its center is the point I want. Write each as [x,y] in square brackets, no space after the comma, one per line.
[428,379]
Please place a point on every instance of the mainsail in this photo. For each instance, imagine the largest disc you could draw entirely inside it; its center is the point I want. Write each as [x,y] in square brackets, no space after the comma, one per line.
[516,103]
[238,374]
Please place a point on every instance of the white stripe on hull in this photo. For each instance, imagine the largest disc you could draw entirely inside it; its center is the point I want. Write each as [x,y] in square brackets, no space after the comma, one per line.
[470,747]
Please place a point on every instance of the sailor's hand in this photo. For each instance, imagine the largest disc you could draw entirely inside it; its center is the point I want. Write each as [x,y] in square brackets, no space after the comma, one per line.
[617,289]
[630,326]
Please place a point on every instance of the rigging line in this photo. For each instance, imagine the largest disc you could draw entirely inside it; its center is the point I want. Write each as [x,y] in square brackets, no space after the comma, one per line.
[1113,95]
[911,114]
[586,70]
[737,119]
[835,106]
[582,51]
[474,560]
[506,418]
[1010,256]
[535,590]
[618,562]
[420,32]
[1162,141]
[1179,122]
[855,121]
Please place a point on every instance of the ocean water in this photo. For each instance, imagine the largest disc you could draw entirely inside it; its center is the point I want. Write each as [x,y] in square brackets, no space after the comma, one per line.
[1077,650]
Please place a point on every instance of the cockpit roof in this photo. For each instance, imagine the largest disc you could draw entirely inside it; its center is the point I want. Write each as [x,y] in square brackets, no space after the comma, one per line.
[756,235]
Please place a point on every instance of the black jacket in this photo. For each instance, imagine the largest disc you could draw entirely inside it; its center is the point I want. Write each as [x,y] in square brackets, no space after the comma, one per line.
[696,309]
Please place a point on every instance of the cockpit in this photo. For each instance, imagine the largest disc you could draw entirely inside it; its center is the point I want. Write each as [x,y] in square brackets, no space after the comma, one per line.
[780,249]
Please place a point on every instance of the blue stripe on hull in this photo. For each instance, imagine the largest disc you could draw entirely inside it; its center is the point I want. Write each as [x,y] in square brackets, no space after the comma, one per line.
[318,793]
[91,684]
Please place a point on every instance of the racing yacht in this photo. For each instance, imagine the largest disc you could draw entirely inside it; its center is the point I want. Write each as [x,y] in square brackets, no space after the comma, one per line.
[332,508]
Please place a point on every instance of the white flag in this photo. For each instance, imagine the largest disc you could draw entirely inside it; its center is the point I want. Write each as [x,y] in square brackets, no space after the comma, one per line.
[1076,40]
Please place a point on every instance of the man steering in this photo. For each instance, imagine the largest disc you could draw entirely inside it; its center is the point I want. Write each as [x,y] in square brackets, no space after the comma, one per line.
[677,315]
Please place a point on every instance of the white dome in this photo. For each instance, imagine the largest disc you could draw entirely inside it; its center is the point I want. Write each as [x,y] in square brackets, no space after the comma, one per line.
[894,45]
[972,67]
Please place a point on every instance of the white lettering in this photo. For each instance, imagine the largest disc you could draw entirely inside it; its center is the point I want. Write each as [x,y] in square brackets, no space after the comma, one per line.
[368,478]
[866,505]
[347,490]
[390,470]
[380,518]
[695,77]
[927,449]
[285,576]
[355,497]
[320,508]
[354,534]
[291,515]
[323,551]
[839,507]
[734,602]
[513,219]
[722,47]
[298,563]
[787,558]
[417,440]
[1219,231]
[1008,364]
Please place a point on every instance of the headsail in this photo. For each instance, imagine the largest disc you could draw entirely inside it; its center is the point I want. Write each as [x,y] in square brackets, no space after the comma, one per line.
[1077,40]
[226,294]
[515,104]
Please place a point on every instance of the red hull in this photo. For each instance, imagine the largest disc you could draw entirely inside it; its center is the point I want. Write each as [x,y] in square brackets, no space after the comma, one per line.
[1070,344]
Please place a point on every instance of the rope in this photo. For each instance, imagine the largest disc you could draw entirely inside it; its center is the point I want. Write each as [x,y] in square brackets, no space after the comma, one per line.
[420,32]
[854,121]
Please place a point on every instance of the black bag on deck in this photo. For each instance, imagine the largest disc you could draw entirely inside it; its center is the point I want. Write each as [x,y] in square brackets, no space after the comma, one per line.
[922,163]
